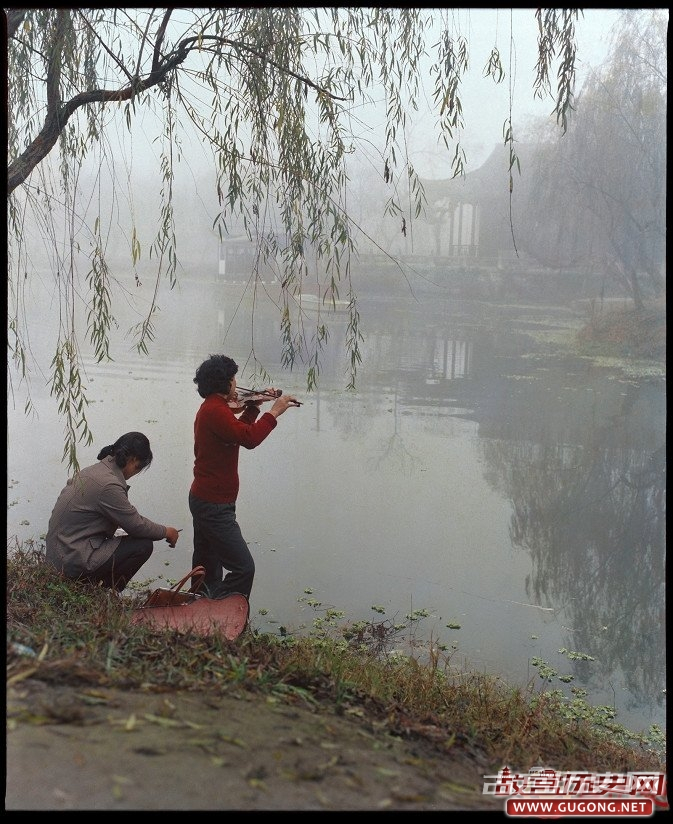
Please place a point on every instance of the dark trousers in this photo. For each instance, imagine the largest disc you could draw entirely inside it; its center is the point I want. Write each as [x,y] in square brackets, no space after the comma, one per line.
[219,545]
[126,560]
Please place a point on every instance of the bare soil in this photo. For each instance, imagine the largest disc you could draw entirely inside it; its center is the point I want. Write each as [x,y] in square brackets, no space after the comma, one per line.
[75,747]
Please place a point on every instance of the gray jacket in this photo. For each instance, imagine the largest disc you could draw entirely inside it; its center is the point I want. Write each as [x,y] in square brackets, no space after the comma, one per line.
[90,508]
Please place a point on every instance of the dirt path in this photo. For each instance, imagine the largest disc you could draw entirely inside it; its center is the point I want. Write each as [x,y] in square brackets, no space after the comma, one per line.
[72,748]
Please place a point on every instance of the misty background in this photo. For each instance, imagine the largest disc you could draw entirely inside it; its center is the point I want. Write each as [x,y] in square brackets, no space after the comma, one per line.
[505,493]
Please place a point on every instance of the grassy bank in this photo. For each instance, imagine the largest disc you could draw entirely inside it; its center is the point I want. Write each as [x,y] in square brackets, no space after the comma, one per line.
[59,631]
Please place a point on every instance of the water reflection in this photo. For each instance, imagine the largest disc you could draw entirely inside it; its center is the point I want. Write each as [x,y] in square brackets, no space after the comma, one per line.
[583,463]
[517,494]
[592,520]
[579,453]
[451,359]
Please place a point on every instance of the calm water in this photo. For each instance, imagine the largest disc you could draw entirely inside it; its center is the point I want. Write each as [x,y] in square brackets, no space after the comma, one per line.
[513,497]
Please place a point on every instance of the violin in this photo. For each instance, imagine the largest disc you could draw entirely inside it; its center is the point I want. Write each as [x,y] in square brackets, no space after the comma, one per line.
[246,396]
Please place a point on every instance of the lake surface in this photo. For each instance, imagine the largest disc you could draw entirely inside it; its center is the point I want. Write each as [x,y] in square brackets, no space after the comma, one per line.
[497,497]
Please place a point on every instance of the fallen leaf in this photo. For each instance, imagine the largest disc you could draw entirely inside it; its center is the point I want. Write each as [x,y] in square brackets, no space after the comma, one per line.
[237,742]
[21,676]
[386,772]
[94,697]
[170,722]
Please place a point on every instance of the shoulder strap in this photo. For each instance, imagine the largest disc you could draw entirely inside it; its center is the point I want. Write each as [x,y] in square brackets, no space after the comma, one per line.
[198,576]
[175,596]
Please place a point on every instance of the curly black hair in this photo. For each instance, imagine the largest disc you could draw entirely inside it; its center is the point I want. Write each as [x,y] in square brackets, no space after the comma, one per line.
[215,375]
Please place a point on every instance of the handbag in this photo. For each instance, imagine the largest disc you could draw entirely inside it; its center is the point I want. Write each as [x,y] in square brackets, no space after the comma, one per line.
[162,597]
[193,612]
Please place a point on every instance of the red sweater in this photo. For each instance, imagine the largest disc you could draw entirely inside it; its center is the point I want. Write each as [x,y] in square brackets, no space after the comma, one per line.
[218,434]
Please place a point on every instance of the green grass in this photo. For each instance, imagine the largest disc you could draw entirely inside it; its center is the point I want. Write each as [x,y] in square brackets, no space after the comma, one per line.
[60,631]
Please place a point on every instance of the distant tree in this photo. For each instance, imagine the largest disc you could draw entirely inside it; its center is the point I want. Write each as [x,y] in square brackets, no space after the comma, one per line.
[599,195]
[275,95]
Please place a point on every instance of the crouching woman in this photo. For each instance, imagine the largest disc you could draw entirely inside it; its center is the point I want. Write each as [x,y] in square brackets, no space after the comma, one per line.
[93,505]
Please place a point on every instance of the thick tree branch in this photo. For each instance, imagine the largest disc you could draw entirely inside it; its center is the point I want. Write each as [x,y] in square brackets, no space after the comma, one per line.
[156,60]
[58,115]
[15,18]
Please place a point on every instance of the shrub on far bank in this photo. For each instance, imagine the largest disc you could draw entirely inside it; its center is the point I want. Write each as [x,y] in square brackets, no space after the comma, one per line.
[625,331]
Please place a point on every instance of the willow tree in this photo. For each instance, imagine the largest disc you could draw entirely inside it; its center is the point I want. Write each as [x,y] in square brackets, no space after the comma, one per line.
[274,93]
[598,195]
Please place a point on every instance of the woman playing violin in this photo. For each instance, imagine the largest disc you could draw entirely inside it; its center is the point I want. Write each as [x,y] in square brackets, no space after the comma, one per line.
[219,432]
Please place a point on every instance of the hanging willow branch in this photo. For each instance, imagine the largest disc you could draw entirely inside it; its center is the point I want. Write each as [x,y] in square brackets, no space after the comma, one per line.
[274,94]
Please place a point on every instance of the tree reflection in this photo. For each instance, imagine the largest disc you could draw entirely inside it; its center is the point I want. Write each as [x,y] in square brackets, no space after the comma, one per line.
[592,518]
[570,445]
[393,451]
